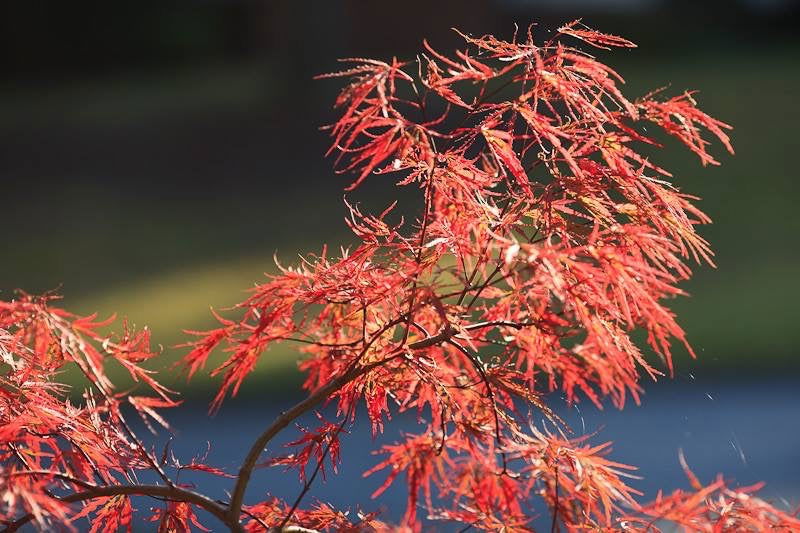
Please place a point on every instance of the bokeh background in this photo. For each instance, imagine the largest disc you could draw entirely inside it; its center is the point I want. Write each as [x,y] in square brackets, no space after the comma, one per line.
[154,156]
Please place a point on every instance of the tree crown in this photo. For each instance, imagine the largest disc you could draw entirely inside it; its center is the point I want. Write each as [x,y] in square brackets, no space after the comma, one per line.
[547,237]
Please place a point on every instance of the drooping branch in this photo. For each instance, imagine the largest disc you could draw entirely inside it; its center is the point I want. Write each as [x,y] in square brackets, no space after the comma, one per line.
[174,493]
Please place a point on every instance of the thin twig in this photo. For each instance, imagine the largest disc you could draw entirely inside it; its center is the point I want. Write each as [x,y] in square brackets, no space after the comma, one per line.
[307,484]
[490,393]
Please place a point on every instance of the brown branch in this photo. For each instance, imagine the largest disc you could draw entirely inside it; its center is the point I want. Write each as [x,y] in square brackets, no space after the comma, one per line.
[468,285]
[279,424]
[249,463]
[495,323]
[284,420]
[230,514]
[478,365]
[156,491]
[299,409]
[420,247]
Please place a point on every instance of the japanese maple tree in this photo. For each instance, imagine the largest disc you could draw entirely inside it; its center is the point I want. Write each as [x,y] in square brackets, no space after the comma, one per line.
[546,237]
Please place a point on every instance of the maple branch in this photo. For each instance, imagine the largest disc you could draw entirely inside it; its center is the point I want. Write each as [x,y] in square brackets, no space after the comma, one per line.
[249,463]
[89,460]
[284,420]
[485,284]
[497,267]
[157,491]
[494,323]
[418,259]
[245,471]
[480,101]
[250,514]
[322,344]
[554,524]
[476,362]
[446,334]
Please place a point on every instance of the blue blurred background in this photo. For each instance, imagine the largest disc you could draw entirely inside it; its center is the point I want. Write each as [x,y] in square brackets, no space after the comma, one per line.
[155,155]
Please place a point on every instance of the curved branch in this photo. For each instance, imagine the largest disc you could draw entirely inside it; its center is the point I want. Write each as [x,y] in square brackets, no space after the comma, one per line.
[158,491]
[286,418]
[496,323]
[476,363]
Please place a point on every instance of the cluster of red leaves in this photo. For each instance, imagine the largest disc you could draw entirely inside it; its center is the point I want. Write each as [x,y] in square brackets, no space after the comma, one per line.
[547,237]
[713,508]
[319,444]
[319,517]
[59,449]
[52,445]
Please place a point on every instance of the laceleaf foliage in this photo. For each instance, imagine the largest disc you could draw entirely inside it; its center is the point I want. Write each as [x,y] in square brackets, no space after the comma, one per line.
[547,237]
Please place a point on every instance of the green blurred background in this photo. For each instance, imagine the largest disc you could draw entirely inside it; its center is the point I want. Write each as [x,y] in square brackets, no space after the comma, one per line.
[154,156]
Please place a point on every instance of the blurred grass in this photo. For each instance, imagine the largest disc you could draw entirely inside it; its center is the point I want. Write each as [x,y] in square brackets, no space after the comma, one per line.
[181,300]
[741,317]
